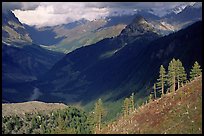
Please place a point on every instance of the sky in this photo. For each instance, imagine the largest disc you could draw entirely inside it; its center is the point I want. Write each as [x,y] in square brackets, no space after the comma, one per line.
[42,14]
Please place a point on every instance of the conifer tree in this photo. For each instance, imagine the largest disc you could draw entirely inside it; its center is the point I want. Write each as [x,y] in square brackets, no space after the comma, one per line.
[195,71]
[126,107]
[180,74]
[161,80]
[150,98]
[33,123]
[183,76]
[132,107]
[98,113]
[172,75]
[61,123]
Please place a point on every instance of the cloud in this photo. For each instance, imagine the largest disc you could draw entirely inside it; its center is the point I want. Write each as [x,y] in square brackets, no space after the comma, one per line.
[19,5]
[41,16]
[55,13]
[50,14]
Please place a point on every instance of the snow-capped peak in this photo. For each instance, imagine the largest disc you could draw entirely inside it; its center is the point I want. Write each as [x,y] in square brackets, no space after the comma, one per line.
[197,4]
[179,8]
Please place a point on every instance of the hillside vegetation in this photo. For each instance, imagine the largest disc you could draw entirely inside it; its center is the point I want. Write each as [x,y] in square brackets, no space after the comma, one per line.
[179,111]
[67,120]
[175,112]
[30,107]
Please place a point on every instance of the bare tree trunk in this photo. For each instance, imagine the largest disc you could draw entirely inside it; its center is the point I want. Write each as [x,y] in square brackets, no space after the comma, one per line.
[99,125]
[174,83]
[178,82]
[155,95]
[162,87]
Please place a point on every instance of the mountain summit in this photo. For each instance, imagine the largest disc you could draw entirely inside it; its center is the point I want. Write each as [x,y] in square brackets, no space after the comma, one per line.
[137,29]
[139,26]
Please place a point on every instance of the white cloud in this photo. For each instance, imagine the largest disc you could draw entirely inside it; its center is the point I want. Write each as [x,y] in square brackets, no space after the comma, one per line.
[49,14]
[55,13]
[41,16]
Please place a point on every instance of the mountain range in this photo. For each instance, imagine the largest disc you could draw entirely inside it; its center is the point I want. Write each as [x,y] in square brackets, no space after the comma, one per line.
[112,66]
[68,37]
[22,60]
[115,67]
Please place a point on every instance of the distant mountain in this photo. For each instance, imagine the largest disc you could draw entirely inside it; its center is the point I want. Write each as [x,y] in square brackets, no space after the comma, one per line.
[75,23]
[138,27]
[22,61]
[127,19]
[68,37]
[111,68]
[114,69]
[13,30]
[86,34]
[19,51]
[187,15]
[178,8]
[43,37]
[47,35]
[87,68]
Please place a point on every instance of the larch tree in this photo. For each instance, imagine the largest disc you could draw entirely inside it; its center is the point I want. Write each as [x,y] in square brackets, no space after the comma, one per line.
[195,71]
[180,74]
[98,113]
[183,76]
[172,75]
[132,103]
[150,98]
[161,80]
[126,104]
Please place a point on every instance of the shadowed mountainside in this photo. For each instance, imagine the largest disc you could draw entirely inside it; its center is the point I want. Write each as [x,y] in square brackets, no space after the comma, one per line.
[117,66]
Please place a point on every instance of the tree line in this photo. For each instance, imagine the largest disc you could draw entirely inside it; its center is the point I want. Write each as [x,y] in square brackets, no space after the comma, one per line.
[168,81]
[62,121]
[71,120]
[174,78]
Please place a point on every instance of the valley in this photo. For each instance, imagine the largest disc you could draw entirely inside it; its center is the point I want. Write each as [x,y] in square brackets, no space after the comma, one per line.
[180,111]
[64,70]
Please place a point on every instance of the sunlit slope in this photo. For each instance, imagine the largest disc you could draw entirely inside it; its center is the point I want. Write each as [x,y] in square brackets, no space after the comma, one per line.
[179,112]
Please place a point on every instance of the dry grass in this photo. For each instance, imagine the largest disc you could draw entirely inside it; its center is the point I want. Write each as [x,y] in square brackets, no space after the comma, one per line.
[179,112]
[29,107]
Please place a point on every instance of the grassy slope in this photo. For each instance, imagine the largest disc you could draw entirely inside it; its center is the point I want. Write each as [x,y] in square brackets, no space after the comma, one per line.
[179,112]
[29,107]
[77,38]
